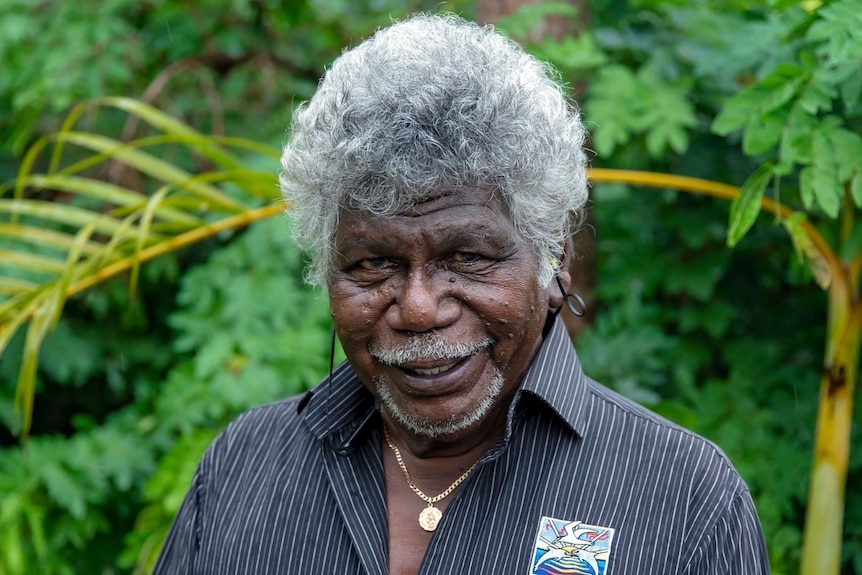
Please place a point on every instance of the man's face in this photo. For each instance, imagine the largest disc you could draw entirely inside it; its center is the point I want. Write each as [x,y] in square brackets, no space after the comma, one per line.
[438,309]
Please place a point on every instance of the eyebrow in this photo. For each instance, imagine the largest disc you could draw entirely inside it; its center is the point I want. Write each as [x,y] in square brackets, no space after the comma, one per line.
[483,234]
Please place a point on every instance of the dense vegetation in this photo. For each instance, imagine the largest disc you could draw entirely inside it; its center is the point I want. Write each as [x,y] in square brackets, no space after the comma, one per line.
[131,386]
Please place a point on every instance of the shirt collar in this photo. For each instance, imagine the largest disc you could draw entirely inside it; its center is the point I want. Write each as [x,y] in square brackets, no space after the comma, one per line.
[555,377]
[345,413]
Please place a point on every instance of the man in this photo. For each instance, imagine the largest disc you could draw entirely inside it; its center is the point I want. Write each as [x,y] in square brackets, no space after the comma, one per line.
[435,176]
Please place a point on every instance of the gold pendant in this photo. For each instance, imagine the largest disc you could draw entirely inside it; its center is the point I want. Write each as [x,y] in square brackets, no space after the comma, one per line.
[429,518]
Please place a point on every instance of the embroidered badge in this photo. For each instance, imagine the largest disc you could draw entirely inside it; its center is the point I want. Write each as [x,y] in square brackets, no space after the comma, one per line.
[571,548]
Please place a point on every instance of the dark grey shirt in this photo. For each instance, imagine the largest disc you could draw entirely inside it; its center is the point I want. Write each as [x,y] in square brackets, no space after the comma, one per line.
[585,481]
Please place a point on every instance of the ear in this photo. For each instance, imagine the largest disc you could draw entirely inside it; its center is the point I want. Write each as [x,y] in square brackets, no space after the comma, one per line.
[556,297]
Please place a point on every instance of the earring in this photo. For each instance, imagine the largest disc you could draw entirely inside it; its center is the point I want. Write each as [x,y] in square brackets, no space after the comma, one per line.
[571,299]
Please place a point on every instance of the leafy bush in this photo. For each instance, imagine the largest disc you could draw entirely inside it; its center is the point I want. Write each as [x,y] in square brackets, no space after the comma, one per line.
[246,331]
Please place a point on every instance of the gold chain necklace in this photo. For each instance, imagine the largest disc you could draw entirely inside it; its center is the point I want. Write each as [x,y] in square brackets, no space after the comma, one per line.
[430,516]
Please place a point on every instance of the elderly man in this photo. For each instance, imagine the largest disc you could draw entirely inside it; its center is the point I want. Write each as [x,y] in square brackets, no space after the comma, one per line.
[436,176]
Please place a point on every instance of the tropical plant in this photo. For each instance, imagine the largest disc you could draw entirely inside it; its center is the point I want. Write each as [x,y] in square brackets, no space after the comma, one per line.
[803,120]
[86,207]
[55,249]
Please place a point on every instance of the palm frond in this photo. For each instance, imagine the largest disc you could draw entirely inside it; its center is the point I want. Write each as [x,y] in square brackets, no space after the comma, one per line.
[76,223]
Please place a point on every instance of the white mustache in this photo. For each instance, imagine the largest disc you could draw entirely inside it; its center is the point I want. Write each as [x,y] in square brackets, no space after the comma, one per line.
[427,347]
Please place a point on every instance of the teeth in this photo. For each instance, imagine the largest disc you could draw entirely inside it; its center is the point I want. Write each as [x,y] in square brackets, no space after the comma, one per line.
[434,370]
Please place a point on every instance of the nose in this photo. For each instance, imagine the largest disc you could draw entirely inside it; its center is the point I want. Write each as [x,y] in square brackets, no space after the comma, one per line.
[424,302]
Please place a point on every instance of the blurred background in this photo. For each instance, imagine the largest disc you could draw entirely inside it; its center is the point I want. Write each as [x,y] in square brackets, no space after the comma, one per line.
[133,383]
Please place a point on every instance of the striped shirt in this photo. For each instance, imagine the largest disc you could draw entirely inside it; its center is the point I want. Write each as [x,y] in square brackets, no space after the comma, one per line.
[583,479]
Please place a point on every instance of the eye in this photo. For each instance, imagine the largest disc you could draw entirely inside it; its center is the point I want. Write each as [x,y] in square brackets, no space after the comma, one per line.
[465,257]
[373,263]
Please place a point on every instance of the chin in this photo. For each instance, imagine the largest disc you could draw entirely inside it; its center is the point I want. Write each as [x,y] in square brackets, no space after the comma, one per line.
[436,429]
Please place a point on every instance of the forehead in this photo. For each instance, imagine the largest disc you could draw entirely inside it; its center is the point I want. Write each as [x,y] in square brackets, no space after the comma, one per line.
[441,214]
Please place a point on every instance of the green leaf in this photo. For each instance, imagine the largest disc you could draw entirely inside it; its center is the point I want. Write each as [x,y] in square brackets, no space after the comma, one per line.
[746,206]
[32,262]
[847,147]
[614,106]
[698,277]
[572,53]
[671,114]
[68,358]
[795,144]
[827,188]
[103,191]
[63,488]
[530,17]
[806,250]
[624,105]
[828,196]
[32,235]
[839,28]
[11,286]
[763,132]
[665,136]
[677,412]
[856,189]
[61,213]
[735,113]
[817,95]
[806,186]
[759,100]
[150,165]
[214,355]
[851,88]
[853,244]
[782,4]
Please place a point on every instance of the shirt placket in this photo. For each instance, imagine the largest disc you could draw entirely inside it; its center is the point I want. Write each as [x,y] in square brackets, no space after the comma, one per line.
[358,491]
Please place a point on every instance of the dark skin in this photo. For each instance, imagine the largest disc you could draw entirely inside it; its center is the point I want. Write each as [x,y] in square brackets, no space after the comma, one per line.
[457,266]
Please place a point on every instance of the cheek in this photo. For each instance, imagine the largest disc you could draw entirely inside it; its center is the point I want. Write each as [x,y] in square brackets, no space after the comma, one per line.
[355,311]
[515,308]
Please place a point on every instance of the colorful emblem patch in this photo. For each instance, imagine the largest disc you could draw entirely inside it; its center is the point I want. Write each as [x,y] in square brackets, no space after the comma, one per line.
[571,548]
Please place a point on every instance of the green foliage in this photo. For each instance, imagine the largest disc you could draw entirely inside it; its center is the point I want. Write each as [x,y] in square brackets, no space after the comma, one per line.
[746,206]
[530,18]
[220,64]
[255,330]
[61,54]
[623,105]
[786,79]
[805,113]
[246,331]
[58,495]
[162,494]
[723,342]
[93,225]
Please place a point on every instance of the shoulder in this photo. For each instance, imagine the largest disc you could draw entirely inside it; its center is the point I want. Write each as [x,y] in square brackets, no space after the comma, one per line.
[258,434]
[612,414]
[699,480]
[631,441]
[267,420]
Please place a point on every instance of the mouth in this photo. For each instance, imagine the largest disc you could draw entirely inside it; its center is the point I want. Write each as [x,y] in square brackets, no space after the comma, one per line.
[430,366]
[437,370]
[434,378]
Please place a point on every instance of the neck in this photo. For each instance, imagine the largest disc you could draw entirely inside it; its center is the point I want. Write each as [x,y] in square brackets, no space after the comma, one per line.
[467,443]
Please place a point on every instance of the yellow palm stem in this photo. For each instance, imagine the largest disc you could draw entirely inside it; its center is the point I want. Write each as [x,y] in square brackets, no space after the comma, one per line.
[175,243]
[821,549]
[715,189]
